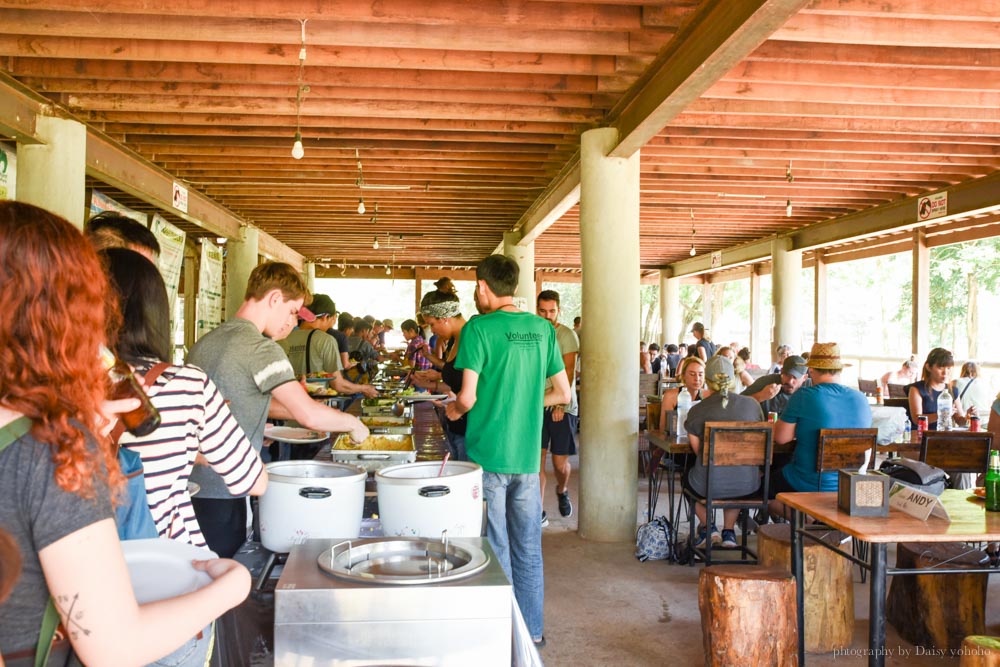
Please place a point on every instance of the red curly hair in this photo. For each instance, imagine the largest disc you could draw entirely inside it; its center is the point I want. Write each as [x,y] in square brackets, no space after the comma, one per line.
[54,300]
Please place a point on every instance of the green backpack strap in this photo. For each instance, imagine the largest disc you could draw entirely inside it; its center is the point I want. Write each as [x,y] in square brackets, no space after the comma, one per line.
[50,619]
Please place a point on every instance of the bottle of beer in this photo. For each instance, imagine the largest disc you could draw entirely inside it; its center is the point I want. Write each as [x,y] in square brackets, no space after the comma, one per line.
[122,384]
[993,483]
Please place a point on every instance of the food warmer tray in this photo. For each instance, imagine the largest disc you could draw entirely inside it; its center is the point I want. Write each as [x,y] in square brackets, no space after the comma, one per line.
[398,449]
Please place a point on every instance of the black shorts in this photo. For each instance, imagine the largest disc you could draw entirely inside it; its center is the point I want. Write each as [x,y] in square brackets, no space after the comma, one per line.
[559,436]
[778,483]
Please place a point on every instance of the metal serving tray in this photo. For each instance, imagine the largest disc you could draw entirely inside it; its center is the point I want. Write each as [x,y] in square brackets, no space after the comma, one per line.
[388,424]
[371,459]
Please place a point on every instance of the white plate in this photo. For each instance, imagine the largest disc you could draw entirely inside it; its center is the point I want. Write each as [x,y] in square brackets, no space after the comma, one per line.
[294,434]
[161,568]
[193,488]
[413,398]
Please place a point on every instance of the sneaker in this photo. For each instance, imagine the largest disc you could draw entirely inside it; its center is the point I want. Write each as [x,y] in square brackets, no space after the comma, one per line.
[539,643]
[700,537]
[716,537]
[565,506]
[729,539]
[545,519]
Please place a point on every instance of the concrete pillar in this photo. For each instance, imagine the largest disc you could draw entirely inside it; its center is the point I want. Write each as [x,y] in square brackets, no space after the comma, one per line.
[920,331]
[819,298]
[670,309]
[241,258]
[609,248]
[786,274]
[52,174]
[310,276]
[524,255]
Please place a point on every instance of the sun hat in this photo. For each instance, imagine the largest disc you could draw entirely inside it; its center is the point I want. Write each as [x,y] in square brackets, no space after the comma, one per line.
[825,357]
[794,366]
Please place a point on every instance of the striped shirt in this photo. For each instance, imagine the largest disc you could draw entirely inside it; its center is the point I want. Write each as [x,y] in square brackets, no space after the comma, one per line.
[195,418]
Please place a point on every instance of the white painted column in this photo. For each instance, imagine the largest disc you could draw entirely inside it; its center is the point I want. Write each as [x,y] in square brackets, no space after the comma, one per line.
[819,297]
[52,175]
[241,258]
[609,248]
[524,255]
[758,333]
[670,309]
[786,274]
[920,335]
[310,276]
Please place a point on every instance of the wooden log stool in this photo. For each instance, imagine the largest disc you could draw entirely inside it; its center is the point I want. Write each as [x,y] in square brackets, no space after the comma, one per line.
[980,651]
[938,611]
[829,589]
[748,616]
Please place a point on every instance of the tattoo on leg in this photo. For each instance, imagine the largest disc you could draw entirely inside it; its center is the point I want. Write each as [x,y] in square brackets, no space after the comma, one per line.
[73,618]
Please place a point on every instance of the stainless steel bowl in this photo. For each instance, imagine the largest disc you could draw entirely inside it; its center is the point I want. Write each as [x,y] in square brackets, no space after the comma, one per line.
[402,560]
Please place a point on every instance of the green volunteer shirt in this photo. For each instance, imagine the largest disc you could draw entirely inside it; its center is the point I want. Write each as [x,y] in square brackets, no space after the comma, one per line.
[513,353]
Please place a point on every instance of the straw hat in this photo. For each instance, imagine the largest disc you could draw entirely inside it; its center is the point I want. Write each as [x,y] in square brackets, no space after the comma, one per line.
[825,357]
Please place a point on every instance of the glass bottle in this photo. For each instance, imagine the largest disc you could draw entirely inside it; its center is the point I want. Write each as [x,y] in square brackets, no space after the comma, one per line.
[993,482]
[144,419]
[944,411]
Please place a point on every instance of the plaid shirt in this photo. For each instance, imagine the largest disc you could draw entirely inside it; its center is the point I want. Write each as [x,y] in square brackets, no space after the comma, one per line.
[413,355]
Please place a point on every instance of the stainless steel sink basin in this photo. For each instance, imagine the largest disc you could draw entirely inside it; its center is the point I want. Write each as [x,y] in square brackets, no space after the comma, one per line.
[402,560]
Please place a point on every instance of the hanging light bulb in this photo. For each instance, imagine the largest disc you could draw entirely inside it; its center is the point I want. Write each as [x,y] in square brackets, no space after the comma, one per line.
[375,243]
[388,271]
[361,206]
[297,151]
[693,251]
[788,209]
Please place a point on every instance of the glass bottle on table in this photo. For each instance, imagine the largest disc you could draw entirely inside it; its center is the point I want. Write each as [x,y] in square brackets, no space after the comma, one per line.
[144,419]
[993,482]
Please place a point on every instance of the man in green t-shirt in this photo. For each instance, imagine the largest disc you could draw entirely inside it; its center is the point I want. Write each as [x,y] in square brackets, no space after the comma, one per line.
[506,356]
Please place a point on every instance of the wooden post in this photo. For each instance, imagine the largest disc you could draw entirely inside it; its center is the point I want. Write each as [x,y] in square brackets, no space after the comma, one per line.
[748,616]
[829,589]
[937,611]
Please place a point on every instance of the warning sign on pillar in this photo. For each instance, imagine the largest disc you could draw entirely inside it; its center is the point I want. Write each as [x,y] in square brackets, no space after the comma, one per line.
[180,197]
[932,206]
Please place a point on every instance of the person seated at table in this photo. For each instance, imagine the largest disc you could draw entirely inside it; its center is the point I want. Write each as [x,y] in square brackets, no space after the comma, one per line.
[645,364]
[825,404]
[691,373]
[773,391]
[310,349]
[783,352]
[672,360]
[721,405]
[655,359]
[971,391]
[904,375]
[740,368]
[923,394]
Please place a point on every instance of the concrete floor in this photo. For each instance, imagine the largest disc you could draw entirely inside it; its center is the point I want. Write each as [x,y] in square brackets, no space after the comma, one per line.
[604,607]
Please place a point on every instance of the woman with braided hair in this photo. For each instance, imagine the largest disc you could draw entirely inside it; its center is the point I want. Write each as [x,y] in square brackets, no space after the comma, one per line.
[724,404]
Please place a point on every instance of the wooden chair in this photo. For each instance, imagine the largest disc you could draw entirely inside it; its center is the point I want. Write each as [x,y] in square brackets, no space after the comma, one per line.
[898,403]
[867,387]
[732,444]
[897,391]
[649,385]
[956,451]
[845,448]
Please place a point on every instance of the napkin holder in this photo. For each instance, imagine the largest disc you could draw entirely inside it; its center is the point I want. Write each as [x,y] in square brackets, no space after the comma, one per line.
[863,493]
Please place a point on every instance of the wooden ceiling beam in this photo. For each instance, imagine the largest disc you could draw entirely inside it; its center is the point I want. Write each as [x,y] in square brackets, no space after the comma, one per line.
[718,36]
[279,146]
[441,13]
[463,37]
[285,55]
[888,97]
[913,127]
[962,10]
[887,58]
[316,92]
[19,109]
[375,108]
[330,76]
[939,78]
[748,135]
[890,30]
[821,145]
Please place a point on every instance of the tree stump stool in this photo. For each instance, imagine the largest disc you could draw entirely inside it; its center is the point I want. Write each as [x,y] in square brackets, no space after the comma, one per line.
[980,651]
[829,589]
[748,616]
[938,611]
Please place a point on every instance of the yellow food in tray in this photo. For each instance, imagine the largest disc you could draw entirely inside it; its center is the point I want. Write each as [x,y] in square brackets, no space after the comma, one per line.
[377,443]
[379,422]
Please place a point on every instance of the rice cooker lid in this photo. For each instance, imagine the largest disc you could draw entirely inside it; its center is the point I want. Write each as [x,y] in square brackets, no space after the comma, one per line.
[293,471]
[428,469]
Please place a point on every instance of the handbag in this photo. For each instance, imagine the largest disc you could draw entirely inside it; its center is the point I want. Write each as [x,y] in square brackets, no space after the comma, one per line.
[655,540]
[916,474]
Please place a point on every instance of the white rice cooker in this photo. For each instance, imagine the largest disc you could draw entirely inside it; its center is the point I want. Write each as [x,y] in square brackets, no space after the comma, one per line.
[413,500]
[310,499]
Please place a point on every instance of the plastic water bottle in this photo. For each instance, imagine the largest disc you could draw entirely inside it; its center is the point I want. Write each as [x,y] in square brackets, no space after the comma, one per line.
[944,411]
[907,433]
[683,405]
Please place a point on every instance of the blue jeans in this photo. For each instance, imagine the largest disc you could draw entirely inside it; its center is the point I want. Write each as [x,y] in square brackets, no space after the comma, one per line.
[194,652]
[514,528]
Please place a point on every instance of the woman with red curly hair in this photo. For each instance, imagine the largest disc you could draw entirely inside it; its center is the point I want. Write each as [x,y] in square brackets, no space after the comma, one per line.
[58,472]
